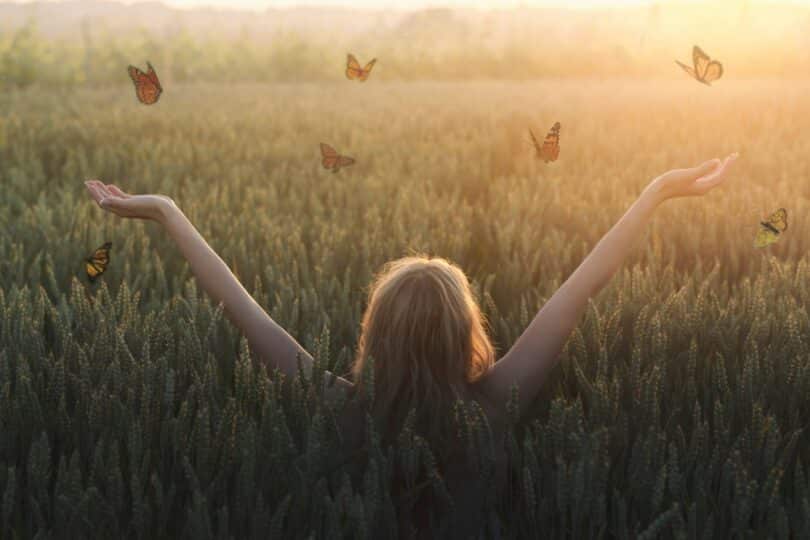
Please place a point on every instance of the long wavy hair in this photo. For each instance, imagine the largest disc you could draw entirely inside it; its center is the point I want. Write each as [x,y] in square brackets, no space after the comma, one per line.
[428,341]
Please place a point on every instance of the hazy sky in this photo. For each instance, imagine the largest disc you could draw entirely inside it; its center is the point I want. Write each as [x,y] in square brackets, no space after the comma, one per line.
[417,4]
[402,4]
[262,4]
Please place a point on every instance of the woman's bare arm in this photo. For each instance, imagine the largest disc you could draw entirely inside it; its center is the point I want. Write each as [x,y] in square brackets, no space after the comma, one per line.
[535,352]
[266,338]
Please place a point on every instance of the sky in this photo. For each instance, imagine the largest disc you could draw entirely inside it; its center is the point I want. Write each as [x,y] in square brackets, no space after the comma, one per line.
[419,4]
[406,4]
[411,4]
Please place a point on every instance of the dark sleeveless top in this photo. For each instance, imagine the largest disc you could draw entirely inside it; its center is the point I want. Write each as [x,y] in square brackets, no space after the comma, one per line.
[472,513]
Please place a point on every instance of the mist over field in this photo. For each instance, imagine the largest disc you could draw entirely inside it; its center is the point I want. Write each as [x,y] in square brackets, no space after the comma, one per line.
[130,408]
[84,42]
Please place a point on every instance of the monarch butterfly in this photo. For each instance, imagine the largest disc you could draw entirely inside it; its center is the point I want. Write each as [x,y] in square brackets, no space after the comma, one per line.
[705,69]
[332,160]
[550,150]
[147,85]
[96,264]
[354,71]
[771,228]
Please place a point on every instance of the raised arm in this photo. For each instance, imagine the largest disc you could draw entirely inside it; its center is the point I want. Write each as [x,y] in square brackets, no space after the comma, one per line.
[535,352]
[266,338]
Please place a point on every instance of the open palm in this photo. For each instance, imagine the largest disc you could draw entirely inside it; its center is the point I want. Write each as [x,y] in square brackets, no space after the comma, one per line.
[113,199]
[695,181]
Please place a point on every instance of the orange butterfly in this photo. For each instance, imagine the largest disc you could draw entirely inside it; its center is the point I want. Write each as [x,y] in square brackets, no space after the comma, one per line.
[550,150]
[147,85]
[96,264]
[705,69]
[354,71]
[332,160]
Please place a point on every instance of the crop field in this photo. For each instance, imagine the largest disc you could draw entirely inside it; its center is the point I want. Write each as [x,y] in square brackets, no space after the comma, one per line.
[129,408]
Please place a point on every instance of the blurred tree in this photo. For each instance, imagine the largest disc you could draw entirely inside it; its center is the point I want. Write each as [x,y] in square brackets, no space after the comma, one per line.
[24,58]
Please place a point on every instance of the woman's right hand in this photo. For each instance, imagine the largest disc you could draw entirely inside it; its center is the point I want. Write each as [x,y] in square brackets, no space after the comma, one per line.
[696,181]
[113,199]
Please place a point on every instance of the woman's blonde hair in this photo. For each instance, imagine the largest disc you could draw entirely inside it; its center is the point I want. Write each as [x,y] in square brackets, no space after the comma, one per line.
[427,338]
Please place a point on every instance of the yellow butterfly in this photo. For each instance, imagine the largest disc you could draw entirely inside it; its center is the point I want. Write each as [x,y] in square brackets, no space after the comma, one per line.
[704,69]
[771,228]
[354,71]
[96,264]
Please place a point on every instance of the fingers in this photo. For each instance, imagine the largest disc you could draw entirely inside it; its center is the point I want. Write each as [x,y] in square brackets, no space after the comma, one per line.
[95,191]
[704,169]
[104,196]
[118,191]
[687,176]
[718,175]
[108,189]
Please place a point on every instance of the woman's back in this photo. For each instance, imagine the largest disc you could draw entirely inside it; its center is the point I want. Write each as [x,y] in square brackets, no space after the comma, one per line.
[472,477]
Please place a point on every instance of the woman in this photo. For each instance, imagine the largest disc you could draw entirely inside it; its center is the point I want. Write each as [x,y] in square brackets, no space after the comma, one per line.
[422,326]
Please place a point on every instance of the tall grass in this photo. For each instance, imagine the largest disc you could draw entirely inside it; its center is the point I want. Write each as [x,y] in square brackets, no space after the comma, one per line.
[131,409]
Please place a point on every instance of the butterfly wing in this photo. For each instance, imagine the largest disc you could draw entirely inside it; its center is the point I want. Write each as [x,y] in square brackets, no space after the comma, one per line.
[367,70]
[771,228]
[344,161]
[778,220]
[154,78]
[146,88]
[687,69]
[329,156]
[97,263]
[765,237]
[551,144]
[328,151]
[699,60]
[136,75]
[706,69]
[353,69]
[714,70]
[92,271]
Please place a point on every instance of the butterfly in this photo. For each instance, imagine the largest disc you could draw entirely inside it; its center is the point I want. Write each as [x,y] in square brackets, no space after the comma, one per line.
[705,69]
[96,264]
[770,229]
[332,160]
[354,71]
[147,85]
[550,150]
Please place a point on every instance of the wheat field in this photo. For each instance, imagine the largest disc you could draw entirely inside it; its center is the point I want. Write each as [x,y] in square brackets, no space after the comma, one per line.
[131,409]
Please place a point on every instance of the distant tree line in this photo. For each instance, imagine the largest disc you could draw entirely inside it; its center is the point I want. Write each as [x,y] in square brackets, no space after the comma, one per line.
[434,45]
